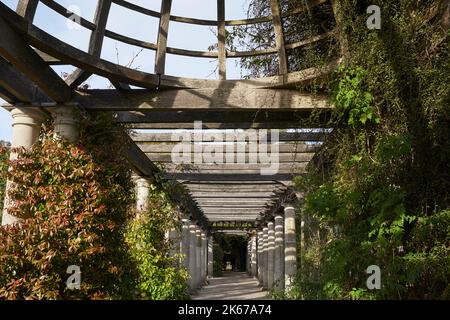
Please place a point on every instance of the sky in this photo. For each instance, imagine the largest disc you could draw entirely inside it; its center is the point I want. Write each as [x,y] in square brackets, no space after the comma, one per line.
[139,26]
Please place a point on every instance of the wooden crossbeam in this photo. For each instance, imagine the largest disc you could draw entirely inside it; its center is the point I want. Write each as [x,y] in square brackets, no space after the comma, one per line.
[28,62]
[238,119]
[18,86]
[225,98]
[27,9]
[221,40]
[160,57]
[279,37]
[237,137]
[282,157]
[290,148]
[95,44]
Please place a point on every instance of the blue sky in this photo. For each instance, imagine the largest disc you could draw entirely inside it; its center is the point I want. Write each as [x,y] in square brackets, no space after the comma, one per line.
[142,27]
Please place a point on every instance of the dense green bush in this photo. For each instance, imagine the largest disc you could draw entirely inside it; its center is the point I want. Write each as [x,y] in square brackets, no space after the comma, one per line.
[379,190]
[73,203]
[160,276]
[217,260]
[4,156]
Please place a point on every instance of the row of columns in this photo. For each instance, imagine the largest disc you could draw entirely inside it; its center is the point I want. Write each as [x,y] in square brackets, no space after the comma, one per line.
[191,245]
[195,248]
[272,252]
[26,125]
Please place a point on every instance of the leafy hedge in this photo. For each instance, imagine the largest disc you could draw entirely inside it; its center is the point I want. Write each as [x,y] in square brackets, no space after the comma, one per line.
[160,276]
[75,204]
[378,193]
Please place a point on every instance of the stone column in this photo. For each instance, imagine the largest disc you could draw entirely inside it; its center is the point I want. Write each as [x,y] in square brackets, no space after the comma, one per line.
[253,256]
[66,122]
[185,241]
[198,257]
[260,257]
[290,247]
[265,257]
[204,257]
[174,238]
[270,254]
[210,256]
[26,126]
[278,272]
[142,194]
[193,256]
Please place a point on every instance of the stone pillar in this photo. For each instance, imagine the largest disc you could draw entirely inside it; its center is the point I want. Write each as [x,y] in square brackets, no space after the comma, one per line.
[174,238]
[253,260]
[210,256]
[198,257]
[142,194]
[26,126]
[193,256]
[260,257]
[66,122]
[278,273]
[265,257]
[185,242]
[290,247]
[270,254]
[204,257]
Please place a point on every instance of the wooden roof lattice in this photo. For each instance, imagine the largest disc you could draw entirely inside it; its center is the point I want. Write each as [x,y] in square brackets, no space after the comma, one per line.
[215,193]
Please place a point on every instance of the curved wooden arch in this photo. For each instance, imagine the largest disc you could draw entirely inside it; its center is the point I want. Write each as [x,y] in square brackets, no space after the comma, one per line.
[93,64]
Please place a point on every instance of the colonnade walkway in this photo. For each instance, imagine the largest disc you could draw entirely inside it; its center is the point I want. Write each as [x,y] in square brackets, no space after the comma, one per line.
[232,286]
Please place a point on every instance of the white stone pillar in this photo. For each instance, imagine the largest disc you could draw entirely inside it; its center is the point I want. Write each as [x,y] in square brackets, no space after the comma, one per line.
[193,256]
[204,257]
[174,238]
[210,256]
[278,276]
[66,122]
[142,194]
[270,254]
[26,126]
[290,247]
[253,262]
[265,257]
[198,257]
[260,257]
[185,243]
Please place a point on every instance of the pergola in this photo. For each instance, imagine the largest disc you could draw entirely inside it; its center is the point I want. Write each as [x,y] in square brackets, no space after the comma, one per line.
[229,195]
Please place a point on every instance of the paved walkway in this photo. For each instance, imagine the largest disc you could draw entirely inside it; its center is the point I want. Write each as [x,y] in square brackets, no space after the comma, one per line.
[232,286]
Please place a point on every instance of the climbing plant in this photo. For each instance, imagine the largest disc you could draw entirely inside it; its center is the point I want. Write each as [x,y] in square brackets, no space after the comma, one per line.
[4,156]
[160,276]
[378,191]
[73,202]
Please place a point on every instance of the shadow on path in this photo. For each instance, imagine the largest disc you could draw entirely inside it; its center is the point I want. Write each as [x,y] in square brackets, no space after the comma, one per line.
[232,286]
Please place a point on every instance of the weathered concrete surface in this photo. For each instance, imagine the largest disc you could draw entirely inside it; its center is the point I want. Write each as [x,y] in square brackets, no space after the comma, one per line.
[232,286]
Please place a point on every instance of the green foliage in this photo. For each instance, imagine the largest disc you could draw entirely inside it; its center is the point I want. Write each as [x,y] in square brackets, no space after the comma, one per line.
[217,260]
[379,192]
[73,203]
[159,276]
[4,156]
[352,100]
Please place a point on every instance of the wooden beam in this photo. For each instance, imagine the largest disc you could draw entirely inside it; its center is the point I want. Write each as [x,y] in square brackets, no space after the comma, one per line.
[160,57]
[28,62]
[77,77]
[297,118]
[18,86]
[221,40]
[233,136]
[230,177]
[282,157]
[279,37]
[27,9]
[226,98]
[217,125]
